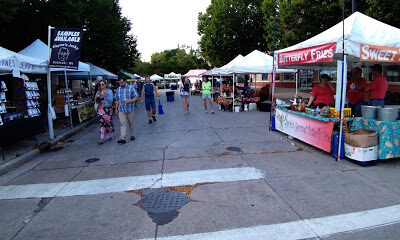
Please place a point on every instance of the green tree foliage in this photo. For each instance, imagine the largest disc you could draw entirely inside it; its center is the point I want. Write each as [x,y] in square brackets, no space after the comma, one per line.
[387,11]
[229,28]
[107,42]
[174,60]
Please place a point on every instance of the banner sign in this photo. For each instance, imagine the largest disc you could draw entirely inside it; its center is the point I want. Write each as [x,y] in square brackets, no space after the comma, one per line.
[312,131]
[315,54]
[66,48]
[85,111]
[374,53]
[16,64]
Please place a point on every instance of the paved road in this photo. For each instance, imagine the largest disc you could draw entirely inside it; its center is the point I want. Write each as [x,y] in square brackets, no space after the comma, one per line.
[274,188]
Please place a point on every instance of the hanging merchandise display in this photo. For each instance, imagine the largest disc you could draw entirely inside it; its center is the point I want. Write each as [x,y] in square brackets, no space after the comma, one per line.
[32,99]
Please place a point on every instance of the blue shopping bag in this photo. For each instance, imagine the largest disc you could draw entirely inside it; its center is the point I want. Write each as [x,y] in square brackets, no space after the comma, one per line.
[160,108]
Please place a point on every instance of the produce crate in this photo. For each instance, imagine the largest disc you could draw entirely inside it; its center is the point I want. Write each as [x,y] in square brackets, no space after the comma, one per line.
[333,114]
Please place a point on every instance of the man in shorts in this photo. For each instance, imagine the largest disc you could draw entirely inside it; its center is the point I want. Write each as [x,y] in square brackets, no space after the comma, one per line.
[206,94]
[148,91]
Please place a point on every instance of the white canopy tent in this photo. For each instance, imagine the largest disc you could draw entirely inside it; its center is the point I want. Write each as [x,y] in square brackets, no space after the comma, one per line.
[12,61]
[358,29]
[227,68]
[93,73]
[348,38]
[155,77]
[39,49]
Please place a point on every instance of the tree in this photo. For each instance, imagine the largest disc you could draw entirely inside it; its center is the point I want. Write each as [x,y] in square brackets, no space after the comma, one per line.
[173,60]
[386,11]
[107,42]
[229,28]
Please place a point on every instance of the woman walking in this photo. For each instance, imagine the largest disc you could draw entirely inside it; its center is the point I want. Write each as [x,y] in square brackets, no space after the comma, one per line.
[184,91]
[104,100]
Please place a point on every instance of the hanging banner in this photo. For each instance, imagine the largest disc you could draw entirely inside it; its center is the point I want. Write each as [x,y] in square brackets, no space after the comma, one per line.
[375,53]
[314,54]
[312,131]
[66,48]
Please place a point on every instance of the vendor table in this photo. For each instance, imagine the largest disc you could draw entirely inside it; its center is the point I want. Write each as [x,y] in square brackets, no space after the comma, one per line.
[313,130]
[388,135]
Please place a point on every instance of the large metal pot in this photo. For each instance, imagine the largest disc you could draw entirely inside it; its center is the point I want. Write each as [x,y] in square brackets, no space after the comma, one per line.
[388,114]
[369,111]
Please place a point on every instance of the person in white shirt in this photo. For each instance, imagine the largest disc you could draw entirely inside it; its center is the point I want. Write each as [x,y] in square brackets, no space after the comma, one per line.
[184,91]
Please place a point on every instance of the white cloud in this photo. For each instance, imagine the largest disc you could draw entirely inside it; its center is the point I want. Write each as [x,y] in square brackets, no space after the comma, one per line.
[163,24]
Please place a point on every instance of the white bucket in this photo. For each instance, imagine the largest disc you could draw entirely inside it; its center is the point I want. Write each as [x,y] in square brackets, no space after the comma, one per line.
[237,108]
[252,106]
[246,107]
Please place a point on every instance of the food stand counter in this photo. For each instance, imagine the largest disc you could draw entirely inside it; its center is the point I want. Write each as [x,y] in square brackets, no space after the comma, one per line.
[314,130]
[388,135]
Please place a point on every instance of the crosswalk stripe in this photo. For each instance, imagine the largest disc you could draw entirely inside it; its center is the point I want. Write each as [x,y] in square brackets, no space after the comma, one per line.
[121,184]
[304,229]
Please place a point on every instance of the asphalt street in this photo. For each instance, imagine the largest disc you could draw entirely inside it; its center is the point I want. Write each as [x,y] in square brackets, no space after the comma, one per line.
[203,176]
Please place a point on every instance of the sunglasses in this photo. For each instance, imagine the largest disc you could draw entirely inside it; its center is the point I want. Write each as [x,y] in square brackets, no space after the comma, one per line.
[102,84]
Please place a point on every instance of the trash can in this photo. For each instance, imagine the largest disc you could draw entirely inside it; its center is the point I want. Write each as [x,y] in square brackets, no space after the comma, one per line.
[170,96]
[335,146]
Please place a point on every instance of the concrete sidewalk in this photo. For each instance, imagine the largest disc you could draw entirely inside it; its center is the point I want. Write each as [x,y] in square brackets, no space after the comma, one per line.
[273,188]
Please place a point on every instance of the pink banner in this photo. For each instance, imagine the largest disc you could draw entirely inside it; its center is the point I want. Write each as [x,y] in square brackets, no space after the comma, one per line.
[312,131]
[314,54]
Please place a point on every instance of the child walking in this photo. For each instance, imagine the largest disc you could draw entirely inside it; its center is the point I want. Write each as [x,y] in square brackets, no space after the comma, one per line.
[148,91]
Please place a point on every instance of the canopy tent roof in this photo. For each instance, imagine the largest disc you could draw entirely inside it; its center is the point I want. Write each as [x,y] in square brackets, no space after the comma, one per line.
[227,68]
[12,61]
[358,29]
[94,72]
[195,72]
[155,77]
[257,62]
[40,50]
[172,76]
[130,75]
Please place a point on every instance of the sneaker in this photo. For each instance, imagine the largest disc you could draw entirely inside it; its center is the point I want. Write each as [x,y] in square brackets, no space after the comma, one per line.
[154,118]
[206,112]
[100,142]
[150,121]
[212,112]
[122,141]
[133,138]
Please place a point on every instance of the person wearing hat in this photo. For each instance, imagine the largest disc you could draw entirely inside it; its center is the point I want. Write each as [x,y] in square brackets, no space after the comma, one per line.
[378,87]
[322,94]
[355,91]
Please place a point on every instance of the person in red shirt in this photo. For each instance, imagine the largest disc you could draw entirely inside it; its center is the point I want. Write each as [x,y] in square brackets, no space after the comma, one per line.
[355,91]
[378,87]
[322,94]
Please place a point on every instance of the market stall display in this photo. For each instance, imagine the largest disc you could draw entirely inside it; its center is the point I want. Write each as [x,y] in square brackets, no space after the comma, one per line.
[3,100]
[345,45]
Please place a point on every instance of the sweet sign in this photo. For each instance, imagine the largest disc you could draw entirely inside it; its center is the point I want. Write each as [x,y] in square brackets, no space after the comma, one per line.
[311,131]
[315,54]
[375,53]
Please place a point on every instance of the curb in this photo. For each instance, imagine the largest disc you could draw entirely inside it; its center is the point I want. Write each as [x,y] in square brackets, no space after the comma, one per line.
[26,157]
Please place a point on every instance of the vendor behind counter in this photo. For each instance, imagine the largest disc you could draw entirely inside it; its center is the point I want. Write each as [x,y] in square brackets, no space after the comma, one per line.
[322,93]
[20,97]
[378,87]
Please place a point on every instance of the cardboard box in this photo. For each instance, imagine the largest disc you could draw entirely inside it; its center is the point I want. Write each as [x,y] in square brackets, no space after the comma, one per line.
[361,154]
[361,138]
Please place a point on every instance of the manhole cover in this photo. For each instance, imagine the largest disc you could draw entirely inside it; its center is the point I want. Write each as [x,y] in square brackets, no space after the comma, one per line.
[90,160]
[233,149]
[162,201]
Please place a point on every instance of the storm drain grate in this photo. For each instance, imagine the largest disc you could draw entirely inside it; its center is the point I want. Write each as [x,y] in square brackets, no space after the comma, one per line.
[233,149]
[90,160]
[162,201]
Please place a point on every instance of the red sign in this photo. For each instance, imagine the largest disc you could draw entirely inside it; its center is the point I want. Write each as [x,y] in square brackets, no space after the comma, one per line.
[376,53]
[315,132]
[321,53]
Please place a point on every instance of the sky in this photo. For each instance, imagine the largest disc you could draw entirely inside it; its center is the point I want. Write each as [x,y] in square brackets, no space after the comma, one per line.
[163,24]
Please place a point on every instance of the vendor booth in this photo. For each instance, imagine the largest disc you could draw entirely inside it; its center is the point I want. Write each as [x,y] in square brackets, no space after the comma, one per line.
[70,87]
[20,116]
[358,41]
[194,76]
[172,80]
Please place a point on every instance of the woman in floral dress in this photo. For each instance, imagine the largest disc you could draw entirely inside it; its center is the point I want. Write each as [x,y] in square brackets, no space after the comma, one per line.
[104,100]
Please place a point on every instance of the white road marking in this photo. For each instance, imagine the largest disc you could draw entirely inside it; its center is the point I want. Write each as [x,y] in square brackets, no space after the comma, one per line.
[121,184]
[308,228]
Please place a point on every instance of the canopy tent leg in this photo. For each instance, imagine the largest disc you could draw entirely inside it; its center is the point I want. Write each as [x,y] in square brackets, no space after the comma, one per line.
[212,88]
[343,99]
[233,94]
[49,102]
[67,99]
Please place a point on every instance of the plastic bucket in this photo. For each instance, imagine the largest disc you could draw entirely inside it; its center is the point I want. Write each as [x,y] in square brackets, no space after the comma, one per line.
[369,111]
[237,108]
[388,114]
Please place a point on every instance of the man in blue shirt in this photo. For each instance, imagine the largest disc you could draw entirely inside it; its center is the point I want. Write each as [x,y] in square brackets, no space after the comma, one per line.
[148,91]
[126,96]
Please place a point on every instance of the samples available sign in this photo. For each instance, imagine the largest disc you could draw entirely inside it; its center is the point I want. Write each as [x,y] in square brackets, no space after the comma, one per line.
[66,48]
[315,54]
